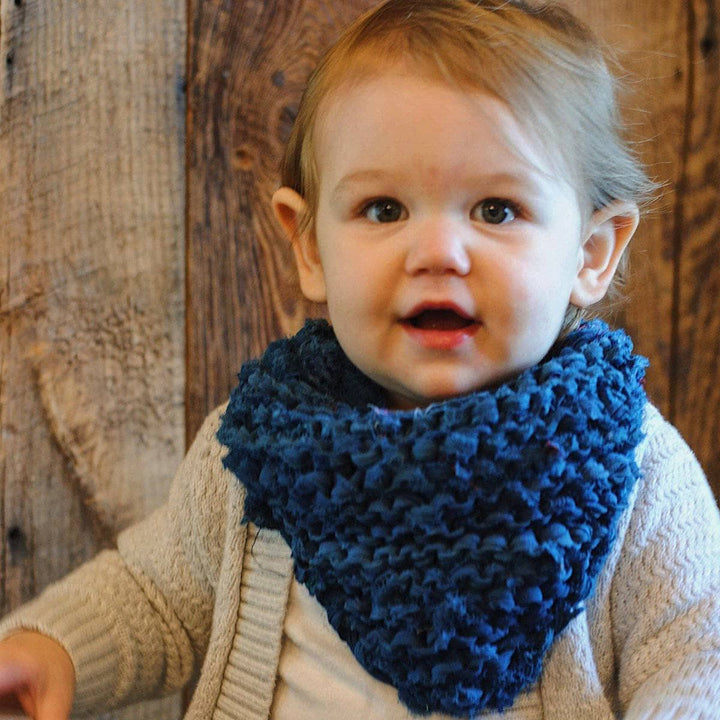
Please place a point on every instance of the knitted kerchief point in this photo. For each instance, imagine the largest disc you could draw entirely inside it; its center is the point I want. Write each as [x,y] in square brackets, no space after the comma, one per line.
[449,545]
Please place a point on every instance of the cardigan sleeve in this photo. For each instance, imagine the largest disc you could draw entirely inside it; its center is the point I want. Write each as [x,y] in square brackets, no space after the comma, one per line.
[136,620]
[665,597]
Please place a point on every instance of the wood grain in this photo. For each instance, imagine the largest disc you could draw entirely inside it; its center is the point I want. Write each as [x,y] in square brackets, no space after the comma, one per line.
[696,371]
[249,61]
[91,279]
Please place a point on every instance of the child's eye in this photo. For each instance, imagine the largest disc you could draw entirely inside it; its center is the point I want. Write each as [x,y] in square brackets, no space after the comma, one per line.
[384,210]
[495,211]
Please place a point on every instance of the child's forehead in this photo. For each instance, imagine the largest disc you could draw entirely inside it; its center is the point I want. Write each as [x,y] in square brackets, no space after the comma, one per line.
[403,93]
[362,81]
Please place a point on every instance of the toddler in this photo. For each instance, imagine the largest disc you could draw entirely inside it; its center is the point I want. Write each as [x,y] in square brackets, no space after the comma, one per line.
[454,498]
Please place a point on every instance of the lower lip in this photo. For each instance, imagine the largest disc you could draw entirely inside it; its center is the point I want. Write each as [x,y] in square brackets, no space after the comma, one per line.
[440,339]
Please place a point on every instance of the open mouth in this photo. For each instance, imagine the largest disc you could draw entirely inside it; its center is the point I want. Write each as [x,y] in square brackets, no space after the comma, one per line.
[439,319]
[440,328]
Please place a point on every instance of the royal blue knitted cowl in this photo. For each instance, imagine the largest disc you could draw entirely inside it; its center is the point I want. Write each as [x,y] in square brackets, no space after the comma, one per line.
[449,545]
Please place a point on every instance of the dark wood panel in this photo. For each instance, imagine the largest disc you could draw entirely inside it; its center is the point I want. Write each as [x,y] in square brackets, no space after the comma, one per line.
[249,61]
[696,374]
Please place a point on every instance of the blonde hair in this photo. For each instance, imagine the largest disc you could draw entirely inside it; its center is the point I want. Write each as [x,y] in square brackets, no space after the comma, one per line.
[540,60]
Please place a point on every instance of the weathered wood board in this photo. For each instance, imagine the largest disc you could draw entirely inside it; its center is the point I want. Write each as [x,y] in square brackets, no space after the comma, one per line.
[695,381]
[91,279]
[248,63]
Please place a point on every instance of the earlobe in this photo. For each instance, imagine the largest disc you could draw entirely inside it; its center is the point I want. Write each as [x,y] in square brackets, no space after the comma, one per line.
[290,208]
[608,235]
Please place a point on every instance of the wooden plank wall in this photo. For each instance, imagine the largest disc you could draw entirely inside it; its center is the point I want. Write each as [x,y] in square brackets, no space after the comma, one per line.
[92,129]
[140,266]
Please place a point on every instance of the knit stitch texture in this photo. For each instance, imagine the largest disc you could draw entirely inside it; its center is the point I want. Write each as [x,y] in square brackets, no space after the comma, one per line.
[449,545]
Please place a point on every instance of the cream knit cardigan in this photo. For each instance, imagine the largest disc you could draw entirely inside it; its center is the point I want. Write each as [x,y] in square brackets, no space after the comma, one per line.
[142,620]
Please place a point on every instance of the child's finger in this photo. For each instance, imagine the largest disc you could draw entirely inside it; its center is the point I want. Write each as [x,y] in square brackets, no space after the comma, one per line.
[29,687]
[14,696]
[55,706]
[20,701]
[10,706]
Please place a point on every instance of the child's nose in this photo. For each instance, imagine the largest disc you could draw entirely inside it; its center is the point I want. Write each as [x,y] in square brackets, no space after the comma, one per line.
[437,247]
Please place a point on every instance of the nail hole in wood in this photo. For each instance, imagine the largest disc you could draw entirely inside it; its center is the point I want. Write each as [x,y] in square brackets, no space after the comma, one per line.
[17,544]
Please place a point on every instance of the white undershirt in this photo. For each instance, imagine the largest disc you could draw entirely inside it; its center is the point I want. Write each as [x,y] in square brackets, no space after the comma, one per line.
[318,673]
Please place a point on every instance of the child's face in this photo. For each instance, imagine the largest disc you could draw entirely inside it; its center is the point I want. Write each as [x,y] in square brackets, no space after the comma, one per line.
[446,246]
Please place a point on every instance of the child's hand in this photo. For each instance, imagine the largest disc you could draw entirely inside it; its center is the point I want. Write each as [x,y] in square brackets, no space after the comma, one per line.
[36,677]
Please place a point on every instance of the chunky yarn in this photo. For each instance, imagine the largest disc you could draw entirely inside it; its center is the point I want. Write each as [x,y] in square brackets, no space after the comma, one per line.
[451,544]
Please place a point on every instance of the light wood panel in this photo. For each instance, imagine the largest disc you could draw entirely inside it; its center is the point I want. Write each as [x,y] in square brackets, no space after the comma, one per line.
[91,279]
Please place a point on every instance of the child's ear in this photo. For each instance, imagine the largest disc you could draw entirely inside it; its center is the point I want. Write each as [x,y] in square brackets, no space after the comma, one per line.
[290,209]
[607,236]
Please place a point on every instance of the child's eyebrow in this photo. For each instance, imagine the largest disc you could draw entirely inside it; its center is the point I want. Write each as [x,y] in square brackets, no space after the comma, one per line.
[529,182]
[357,177]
